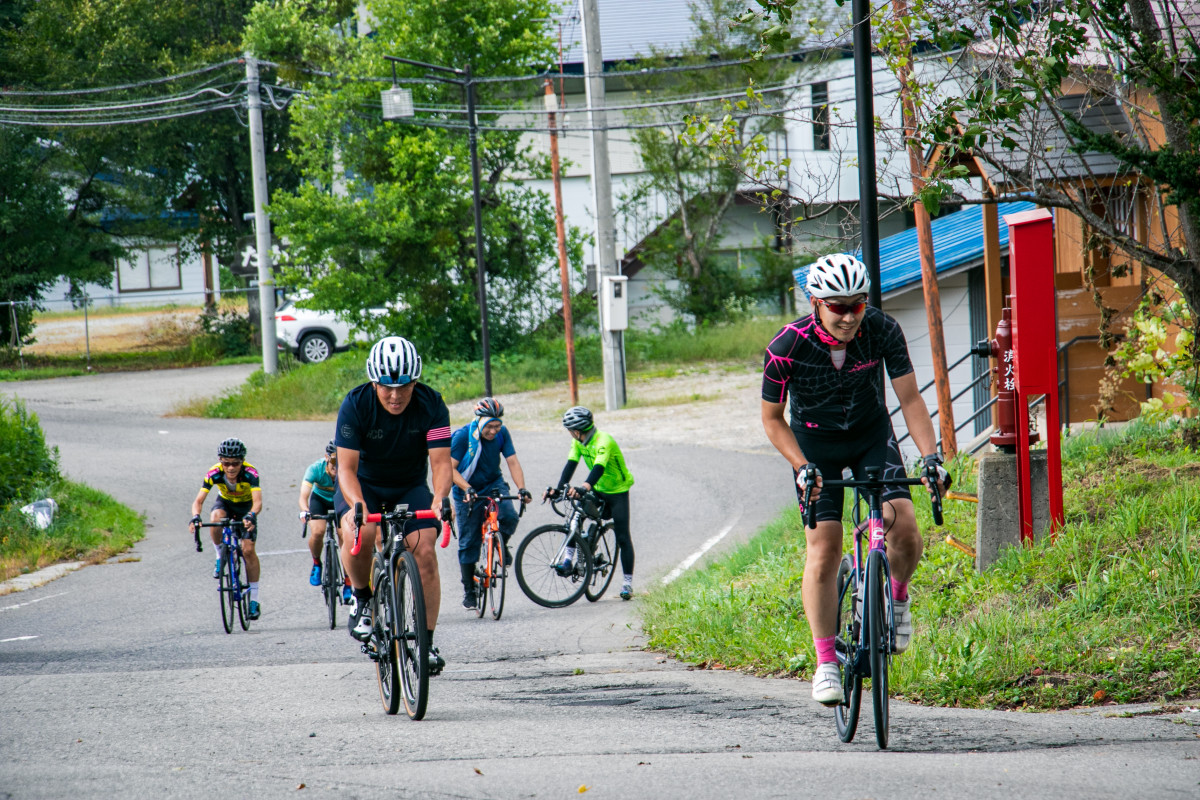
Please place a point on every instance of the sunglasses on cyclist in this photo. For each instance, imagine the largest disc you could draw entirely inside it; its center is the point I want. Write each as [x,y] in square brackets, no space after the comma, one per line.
[388,380]
[229,464]
[842,309]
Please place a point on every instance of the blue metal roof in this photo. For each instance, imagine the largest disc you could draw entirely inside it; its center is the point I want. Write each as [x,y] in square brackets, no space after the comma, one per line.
[957,242]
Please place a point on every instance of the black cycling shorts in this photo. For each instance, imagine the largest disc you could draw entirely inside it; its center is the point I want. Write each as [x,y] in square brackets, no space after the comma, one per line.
[378,498]
[237,511]
[318,505]
[834,451]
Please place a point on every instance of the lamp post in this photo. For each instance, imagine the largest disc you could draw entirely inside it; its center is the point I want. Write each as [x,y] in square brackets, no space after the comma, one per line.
[397,104]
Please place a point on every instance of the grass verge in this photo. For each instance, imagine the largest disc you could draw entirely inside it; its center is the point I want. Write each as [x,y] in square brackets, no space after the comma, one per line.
[90,526]
[43,367]
[315,391]
[1108,612]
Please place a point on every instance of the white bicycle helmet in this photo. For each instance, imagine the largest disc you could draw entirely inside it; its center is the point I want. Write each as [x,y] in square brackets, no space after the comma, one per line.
[837,275]
[393,361]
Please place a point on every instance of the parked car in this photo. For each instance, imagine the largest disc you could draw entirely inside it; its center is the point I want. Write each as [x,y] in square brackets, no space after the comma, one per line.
[313,336]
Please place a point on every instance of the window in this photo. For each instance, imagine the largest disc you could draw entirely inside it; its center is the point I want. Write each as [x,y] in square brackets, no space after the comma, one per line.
[820,115]
[149,270]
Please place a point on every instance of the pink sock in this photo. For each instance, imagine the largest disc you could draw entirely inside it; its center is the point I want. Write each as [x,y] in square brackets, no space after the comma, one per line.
[899,591]
[826,653]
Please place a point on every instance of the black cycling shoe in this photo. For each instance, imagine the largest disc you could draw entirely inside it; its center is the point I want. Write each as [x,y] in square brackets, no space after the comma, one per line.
[436,662]
[469,599]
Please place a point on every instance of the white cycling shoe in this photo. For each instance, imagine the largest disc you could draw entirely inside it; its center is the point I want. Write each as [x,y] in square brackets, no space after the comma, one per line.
[827,684]
[901,612]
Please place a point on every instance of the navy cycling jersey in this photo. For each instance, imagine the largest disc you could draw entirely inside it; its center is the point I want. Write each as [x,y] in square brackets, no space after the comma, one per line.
[393,448]
[798,365]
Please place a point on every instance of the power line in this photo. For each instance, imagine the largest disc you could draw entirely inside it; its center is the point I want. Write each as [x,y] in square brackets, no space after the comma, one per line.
[122,87]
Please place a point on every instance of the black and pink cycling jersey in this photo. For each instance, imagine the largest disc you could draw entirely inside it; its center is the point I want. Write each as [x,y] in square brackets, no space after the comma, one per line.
[798,364]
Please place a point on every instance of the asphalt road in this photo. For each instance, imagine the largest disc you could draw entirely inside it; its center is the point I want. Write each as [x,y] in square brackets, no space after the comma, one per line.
[119,677]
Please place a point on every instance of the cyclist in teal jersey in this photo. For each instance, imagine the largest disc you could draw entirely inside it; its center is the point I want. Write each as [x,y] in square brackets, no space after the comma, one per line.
[316,498]
[609,478]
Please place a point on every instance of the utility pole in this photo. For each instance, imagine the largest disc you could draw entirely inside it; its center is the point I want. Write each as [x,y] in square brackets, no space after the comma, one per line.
[933,296]
[612,342]
[560,229]
[868,192]
[262,225]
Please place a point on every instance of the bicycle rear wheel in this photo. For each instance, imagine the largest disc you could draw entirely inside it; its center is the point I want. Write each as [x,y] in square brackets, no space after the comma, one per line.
[604,563]
[845,715]
[387,672]
[495,588]
[331,579]
[225,591]
[879,635]
[544,571]
[412,636]
[243,603]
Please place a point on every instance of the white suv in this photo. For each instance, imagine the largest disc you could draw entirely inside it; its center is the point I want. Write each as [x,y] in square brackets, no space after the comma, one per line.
[314,336]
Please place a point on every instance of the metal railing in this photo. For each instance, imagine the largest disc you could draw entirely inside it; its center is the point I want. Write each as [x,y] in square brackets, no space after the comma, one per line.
[1064,392]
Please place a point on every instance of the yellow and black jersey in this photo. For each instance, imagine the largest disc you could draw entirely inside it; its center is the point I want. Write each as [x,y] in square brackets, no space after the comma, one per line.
[240,492]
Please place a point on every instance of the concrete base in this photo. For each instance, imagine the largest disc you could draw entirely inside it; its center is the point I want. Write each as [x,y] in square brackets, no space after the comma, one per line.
[998,520]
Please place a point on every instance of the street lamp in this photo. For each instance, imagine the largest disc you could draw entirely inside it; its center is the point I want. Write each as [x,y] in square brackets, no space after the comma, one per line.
[398,104]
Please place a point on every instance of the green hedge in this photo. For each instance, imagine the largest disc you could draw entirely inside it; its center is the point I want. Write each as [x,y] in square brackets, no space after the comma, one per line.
[26,464]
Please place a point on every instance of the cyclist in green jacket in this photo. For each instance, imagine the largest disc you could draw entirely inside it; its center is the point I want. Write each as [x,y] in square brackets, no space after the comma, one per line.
[609,478]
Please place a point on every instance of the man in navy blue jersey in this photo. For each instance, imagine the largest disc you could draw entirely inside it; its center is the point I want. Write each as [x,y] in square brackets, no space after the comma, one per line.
[388,430]
[828,364]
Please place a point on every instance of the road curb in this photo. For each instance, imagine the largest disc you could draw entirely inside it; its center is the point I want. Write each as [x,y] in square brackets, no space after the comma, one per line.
[39,578]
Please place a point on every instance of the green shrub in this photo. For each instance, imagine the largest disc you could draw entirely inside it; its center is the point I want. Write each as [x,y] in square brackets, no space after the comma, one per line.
[26,464]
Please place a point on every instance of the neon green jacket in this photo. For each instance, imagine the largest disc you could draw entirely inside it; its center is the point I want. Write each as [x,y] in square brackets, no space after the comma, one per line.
[603,449]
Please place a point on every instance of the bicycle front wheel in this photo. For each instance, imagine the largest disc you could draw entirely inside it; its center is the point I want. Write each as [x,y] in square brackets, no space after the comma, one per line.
[879,636]
[496,581]
[604,563]
[225,591]
[243,602]
[411,636]
[845,714]
[553,566]
[387,672]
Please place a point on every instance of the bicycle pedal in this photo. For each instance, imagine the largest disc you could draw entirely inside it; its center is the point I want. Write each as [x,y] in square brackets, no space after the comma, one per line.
[368,649]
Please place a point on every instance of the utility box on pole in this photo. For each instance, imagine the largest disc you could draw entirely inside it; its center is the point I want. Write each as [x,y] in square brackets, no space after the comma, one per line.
[614,302]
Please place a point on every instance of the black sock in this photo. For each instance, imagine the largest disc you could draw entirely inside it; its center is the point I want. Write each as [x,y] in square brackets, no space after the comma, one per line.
[431,638]
[363,595]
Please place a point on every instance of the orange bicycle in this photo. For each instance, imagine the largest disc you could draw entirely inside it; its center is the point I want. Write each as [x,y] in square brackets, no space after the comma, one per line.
[492,574]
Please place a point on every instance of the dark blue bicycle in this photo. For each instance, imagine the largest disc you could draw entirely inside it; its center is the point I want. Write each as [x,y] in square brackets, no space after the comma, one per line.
[866,633]
[233,591]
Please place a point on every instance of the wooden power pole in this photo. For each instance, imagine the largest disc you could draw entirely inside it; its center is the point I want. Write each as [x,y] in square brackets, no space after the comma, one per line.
[560,228]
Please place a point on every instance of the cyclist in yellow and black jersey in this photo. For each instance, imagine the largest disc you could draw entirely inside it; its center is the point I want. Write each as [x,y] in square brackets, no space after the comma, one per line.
[238,497]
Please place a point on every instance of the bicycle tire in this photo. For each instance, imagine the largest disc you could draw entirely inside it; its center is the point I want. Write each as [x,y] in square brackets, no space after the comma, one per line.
[411,636]
[225,591]
[387,672]
[331,580]
[243,603]
[604,563]
[878,643]
[538,570]
[481,583]
[496,581]
[846,714]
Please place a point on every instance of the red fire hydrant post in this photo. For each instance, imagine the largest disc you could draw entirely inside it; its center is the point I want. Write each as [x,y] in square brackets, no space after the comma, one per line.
[1035,353]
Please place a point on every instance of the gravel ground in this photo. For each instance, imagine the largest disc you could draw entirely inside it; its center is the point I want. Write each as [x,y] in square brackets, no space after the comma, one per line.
[715,405]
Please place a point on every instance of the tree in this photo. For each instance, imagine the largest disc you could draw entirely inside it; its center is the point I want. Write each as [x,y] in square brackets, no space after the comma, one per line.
[695,183]
[385,212]
[1028,79]
[43,234]
[143,179]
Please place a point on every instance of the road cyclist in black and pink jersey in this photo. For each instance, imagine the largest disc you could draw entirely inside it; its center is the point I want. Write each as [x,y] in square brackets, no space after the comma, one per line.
[391,433]
[829,366]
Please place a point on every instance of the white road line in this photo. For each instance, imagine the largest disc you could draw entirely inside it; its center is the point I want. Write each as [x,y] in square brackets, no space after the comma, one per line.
[284,552]
[31,602]
[17,639]
[694,557]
